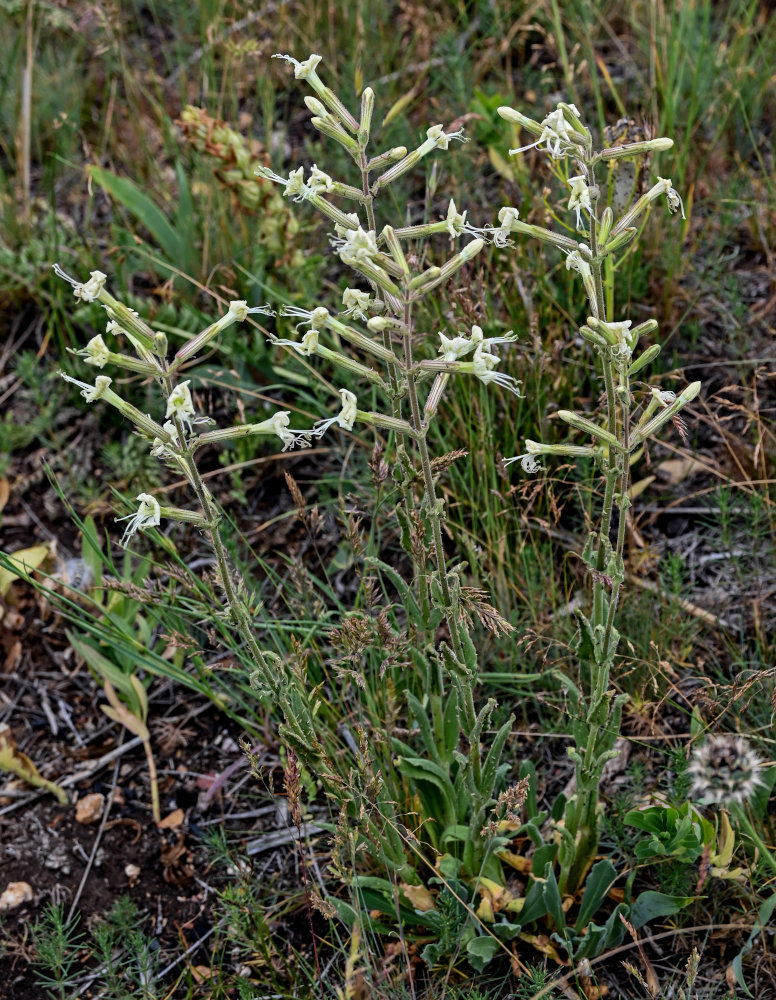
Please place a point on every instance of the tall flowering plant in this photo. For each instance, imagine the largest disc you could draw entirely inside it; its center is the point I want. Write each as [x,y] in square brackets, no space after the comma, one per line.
[633,413]
[394,381]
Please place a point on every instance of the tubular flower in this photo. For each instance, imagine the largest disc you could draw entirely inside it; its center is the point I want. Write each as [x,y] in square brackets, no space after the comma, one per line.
[161,449]
[580,197]
[96,352]
[304,69]
[558,135]
[349,411]
[724,770]
[527,462]
[483,365]
[506,216]
[179,402]
[91,289]
[90,392]
[576,262]
[148,515]
[454,348]
[344,419]
[439,139]
[293,185]
[278,424]
[87,291]
[359,244]
[356,303]
[456,221]
[319,182]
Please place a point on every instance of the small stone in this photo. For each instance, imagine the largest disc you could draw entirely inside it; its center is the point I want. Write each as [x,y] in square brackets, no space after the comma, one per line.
[15,894]
[89,808]
[132,872]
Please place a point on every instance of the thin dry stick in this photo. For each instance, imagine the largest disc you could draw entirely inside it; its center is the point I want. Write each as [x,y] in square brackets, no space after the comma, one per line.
[96,844]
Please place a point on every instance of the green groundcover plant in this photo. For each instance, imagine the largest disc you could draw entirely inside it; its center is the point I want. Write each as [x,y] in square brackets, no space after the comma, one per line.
[429,816]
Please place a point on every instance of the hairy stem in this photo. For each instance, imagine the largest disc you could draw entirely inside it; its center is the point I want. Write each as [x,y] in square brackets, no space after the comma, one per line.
[433,504]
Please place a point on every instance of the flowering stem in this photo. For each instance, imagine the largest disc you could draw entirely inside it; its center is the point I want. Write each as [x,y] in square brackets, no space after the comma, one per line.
[597,710]
[434,505]
[212,517]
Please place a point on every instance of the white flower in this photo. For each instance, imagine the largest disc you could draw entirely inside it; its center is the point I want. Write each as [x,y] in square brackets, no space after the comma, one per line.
[558,134]
[527,462]
[454,348]
[576,262]
[278,424]
[456,221]
[89,291]
[148,515]
[359,244]
[179,402]
[483,365]
[673,198]
[344,419]
[96,352]
[356,303]
[439,139]
[301,69]
[349,411]
[724,770]
[319,181]
[580,197]
[316,319]
[309,344]
[340,230]
[160,448]
[239,309]
[295,186]
[507,216]
[90,392]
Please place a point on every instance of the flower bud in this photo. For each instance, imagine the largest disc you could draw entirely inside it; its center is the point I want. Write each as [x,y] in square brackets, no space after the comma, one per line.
[605,225]
[367,107]
[644,359]
[582,424]
[654,425]
[315,106]
[160,345]
[336,132]
[620,240]
[516,118]
[383,159]
[636,148]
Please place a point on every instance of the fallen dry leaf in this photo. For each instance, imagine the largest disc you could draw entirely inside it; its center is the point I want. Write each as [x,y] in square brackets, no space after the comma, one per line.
[173,820]
[674,470]
[17,763]
[23,562]
[419,896]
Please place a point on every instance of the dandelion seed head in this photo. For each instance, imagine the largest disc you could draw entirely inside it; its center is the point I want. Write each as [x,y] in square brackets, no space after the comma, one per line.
[724,770]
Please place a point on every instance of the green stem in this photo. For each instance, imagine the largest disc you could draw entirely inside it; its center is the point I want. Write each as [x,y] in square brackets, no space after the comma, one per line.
[431,500]
[153,778]
[765,853]
[236,606]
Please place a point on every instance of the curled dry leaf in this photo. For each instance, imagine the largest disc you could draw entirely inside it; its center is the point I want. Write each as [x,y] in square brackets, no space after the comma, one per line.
[15,762]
